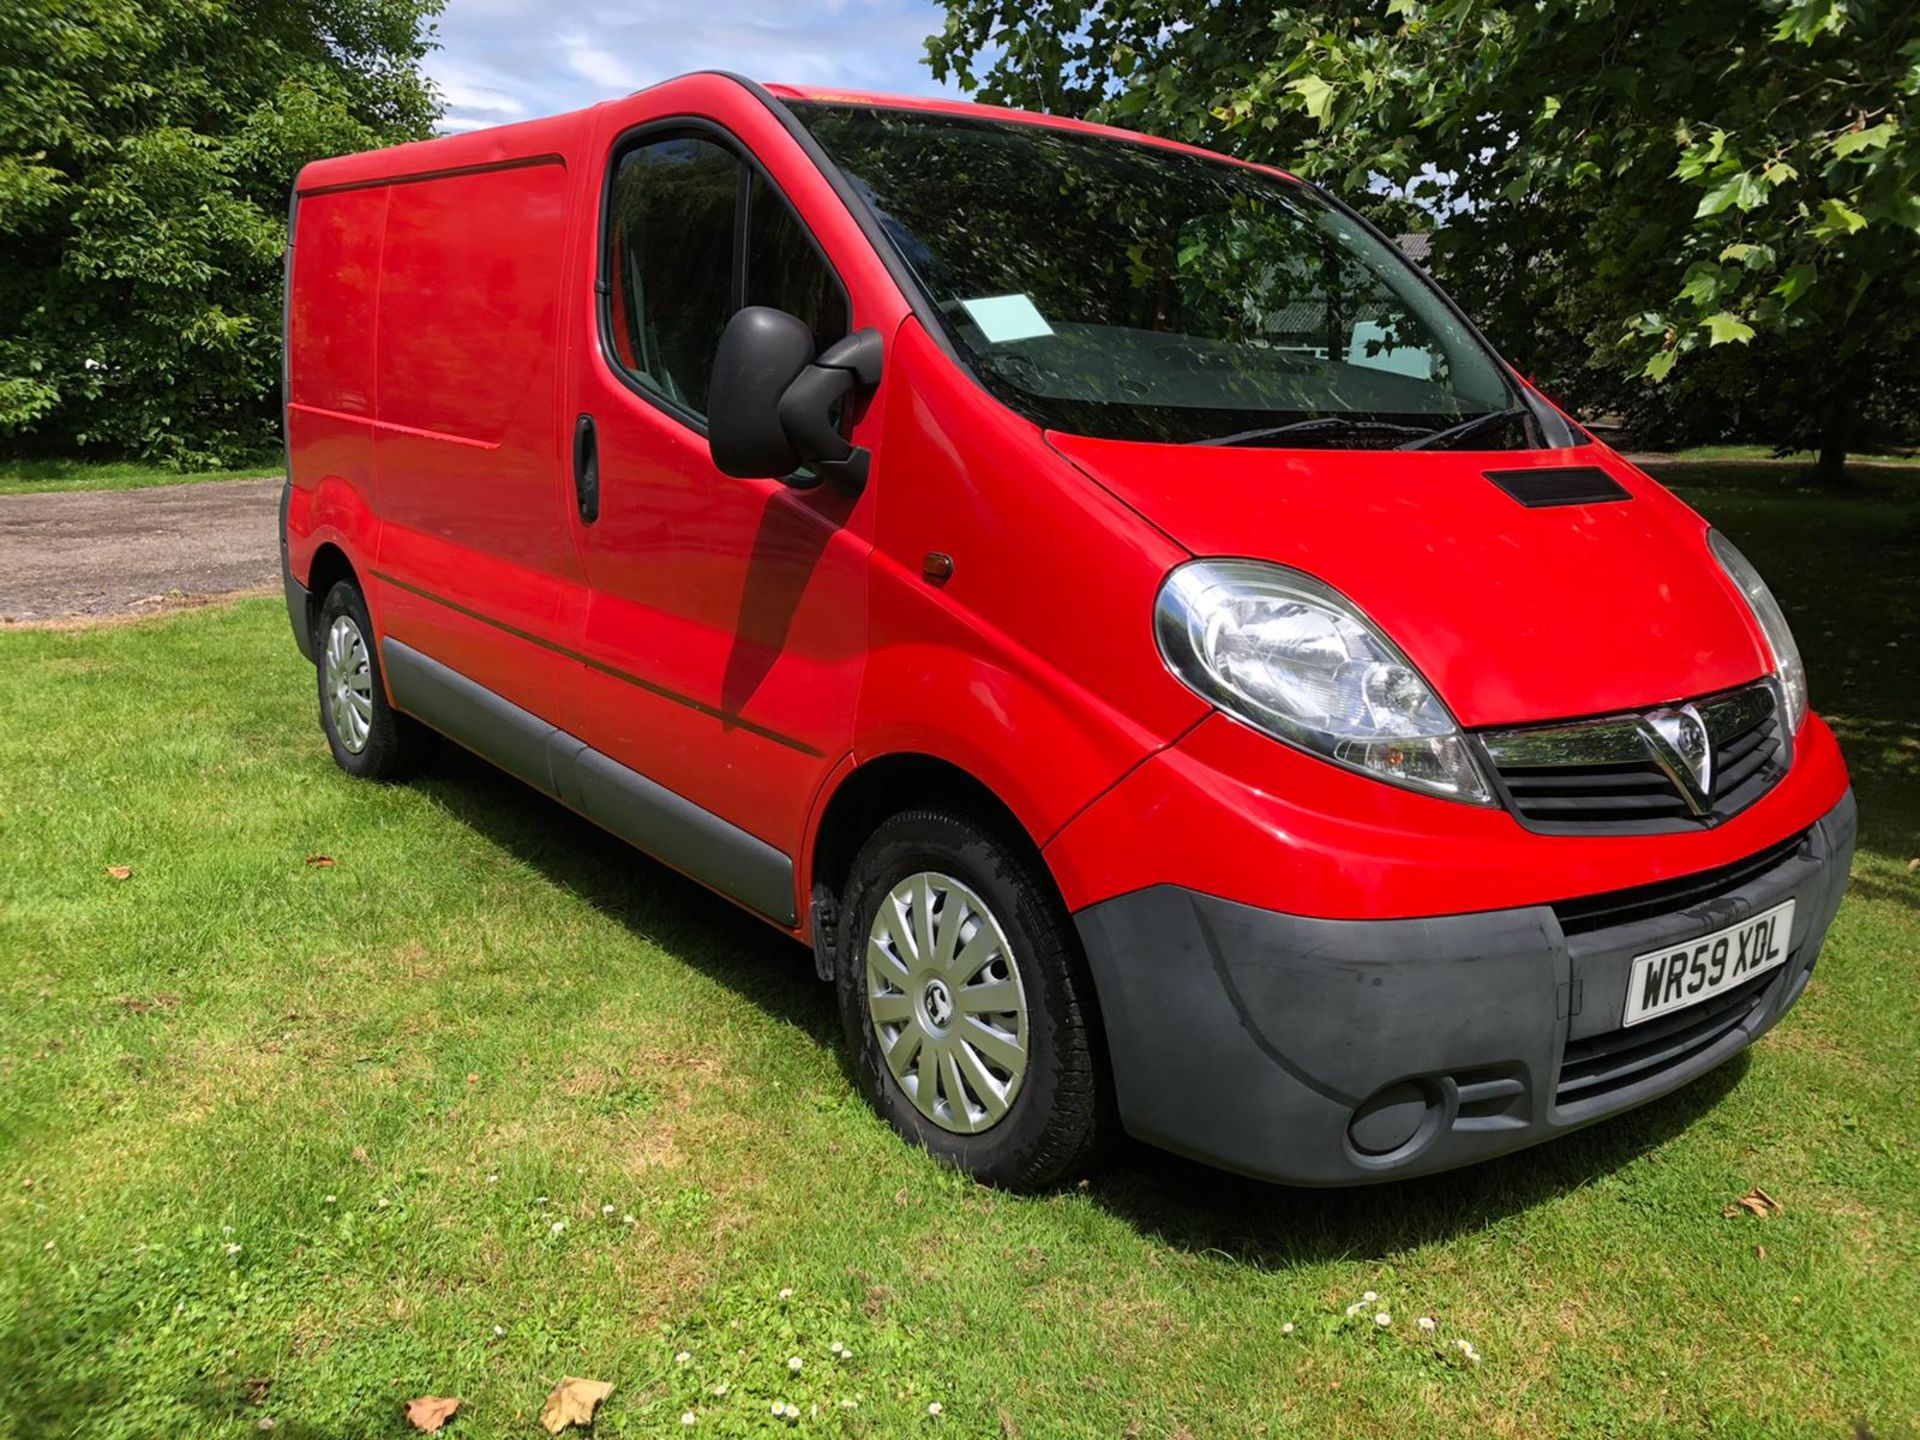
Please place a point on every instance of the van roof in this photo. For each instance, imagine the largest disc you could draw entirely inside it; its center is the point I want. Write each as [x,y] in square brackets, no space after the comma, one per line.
[967,109]
[555,135]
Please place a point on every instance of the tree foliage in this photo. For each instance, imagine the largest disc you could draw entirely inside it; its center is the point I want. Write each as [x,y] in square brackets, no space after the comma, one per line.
[147,153]
[1706,212]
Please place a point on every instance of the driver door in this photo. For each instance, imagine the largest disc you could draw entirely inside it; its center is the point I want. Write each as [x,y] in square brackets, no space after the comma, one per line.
[725,626]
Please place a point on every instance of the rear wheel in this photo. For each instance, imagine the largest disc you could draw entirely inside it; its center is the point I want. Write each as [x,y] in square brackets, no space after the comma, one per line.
[967,1004]
[368,738]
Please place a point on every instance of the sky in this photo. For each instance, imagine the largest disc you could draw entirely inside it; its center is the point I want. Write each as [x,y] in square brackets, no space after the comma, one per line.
[506,60]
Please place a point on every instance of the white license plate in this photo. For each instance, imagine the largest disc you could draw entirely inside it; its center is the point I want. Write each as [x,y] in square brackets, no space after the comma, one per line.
[1663,981]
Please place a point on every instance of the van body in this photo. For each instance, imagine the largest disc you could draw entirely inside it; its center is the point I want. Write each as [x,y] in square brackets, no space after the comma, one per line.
[1095,593]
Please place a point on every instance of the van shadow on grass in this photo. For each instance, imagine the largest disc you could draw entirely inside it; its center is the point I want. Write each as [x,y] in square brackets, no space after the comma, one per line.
[1192,1207]
[692,924]
[1176,1202]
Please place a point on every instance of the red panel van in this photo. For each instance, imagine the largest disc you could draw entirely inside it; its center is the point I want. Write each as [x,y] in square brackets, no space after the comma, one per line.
[1094,592]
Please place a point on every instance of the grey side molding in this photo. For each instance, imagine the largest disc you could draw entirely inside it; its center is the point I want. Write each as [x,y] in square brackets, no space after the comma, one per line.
[464,710]
[666,825]
[690,839]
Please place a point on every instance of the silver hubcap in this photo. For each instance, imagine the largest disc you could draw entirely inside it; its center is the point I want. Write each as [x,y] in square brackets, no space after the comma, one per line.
[944,992]
[349,684]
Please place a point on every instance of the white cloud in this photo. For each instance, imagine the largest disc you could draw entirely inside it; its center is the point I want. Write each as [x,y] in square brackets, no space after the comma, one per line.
[480,98]
[593,60]
[508,59]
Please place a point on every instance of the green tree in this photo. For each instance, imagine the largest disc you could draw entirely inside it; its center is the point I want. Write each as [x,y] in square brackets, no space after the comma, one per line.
[147,153]
[1625,190]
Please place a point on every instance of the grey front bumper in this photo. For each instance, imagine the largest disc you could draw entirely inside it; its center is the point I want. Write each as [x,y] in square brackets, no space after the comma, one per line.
[1330,1052]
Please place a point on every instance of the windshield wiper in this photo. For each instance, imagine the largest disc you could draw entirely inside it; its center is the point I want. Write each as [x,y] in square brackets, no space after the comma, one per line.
[1466,429]
[1318,424]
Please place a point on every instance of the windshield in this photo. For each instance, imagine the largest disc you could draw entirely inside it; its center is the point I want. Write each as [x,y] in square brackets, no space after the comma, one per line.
[1135,292]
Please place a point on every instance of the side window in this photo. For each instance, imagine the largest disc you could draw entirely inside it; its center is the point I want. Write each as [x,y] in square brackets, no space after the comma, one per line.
[680,263]
[786,272]
[670,242]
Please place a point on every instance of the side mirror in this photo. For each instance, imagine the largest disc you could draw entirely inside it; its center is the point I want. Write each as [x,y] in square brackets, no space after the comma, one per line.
[773,406]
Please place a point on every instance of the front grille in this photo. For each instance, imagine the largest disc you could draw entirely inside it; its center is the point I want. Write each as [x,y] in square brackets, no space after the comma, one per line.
[1747,761]
[1602,1066]
[1669,897]
[1607,776]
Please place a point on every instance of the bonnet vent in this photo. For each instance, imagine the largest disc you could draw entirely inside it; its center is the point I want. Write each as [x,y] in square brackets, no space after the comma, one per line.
[1541,488]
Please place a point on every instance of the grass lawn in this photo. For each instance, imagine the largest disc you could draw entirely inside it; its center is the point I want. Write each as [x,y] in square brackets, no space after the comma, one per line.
[491,1100]
[40,477]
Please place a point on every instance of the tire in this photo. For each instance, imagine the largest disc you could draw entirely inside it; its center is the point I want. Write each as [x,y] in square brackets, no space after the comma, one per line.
[369,740]
[1008,930]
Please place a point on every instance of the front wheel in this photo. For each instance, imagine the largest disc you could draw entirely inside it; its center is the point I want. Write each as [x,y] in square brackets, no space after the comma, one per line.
[967,1003]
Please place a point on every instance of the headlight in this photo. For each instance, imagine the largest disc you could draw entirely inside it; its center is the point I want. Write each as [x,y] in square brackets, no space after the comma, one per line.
[1773,624]
[1286,654]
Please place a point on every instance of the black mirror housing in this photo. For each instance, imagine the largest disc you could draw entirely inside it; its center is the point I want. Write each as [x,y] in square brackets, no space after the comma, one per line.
[773,406]
[761,352]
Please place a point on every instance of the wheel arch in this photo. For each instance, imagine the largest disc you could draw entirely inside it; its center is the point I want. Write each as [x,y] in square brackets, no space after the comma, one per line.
[865,796]
[328,568]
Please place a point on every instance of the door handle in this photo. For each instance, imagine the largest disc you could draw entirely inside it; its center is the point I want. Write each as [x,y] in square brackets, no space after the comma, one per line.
[586,469]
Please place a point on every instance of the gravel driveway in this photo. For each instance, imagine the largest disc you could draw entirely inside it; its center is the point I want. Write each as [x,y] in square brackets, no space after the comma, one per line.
[117,552]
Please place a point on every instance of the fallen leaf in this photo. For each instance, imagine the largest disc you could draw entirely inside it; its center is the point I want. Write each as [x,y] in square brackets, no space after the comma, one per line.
[1913,865]
[1756,1202]
[120,872]
[430,1412]
[573,1402]
[321,862]
[1759,1252]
